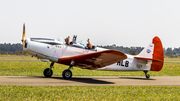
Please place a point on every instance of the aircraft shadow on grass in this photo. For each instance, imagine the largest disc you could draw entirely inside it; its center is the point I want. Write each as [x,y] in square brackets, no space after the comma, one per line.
[83,80]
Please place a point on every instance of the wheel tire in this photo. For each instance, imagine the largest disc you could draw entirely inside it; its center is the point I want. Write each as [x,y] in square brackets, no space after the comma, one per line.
[48,73]
[67,74]
[147,76]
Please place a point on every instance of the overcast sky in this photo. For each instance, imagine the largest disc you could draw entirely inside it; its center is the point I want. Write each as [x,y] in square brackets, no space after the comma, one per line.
[105,22]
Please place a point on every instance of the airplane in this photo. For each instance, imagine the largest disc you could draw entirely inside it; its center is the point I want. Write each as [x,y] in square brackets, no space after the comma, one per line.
[77,54]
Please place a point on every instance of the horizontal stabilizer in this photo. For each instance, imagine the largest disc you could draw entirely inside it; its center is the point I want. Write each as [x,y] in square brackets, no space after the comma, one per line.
[144,58]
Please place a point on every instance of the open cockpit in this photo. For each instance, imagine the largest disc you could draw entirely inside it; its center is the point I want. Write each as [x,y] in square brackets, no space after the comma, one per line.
[60,41]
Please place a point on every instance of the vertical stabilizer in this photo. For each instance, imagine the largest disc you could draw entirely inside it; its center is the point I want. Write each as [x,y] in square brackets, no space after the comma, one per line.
[147,52]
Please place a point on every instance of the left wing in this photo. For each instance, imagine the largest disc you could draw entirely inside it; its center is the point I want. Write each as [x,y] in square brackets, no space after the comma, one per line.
[94,60]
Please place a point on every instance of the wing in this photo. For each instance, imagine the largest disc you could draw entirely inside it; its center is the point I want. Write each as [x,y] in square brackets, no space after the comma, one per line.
[94,60]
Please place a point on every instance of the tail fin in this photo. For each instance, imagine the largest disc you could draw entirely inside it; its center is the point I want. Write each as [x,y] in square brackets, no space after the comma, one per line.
[148,51]
[154,51]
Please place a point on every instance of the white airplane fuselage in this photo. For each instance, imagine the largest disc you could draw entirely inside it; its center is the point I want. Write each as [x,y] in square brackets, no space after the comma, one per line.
[52,50]
[78,54]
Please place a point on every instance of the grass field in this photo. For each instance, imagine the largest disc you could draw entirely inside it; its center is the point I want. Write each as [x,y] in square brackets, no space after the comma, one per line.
[90,93]
[15,56]
[171,59]
[36,68]
[18,57]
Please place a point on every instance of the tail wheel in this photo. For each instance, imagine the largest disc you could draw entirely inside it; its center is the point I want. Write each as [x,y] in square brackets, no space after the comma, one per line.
[67,74]
[147,76]
[48,72]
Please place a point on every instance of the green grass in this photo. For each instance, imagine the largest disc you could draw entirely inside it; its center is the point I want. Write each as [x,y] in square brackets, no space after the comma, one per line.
[36,68]
[18,58]
[90,93]
[171,59]
[15,56]
[81,93]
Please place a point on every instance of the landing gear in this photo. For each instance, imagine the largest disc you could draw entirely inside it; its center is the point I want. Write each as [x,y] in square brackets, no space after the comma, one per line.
[147,75]
[67,74]
[48,72]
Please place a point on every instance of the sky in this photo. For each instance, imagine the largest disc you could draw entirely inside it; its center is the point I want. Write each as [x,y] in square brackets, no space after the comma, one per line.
[106,22]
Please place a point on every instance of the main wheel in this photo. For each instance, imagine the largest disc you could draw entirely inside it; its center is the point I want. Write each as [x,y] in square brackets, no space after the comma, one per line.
[67,74]
[147,76]
[48,72]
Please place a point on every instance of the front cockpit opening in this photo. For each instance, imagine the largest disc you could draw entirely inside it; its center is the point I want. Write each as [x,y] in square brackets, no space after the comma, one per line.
[47,41]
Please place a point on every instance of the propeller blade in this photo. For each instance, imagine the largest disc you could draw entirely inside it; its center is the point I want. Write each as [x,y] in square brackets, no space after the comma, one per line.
[23,36]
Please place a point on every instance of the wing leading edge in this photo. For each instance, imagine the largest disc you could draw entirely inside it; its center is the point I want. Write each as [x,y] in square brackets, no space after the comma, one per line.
[94,60]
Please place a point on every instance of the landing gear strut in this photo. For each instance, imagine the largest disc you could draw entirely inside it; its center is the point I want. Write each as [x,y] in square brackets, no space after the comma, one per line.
[67,74]
[48,71]
[147,75]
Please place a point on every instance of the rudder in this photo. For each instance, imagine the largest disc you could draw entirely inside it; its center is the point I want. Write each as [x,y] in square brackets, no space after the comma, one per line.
[158,54]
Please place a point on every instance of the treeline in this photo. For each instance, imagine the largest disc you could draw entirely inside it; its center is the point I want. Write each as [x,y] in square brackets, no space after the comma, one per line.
[8,48]
[172,52]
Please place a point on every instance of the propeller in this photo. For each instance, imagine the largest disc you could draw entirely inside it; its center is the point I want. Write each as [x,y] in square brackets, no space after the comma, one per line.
[23,36]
